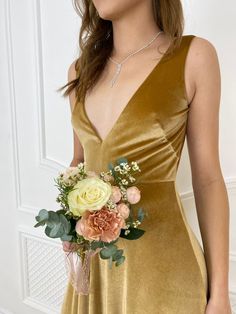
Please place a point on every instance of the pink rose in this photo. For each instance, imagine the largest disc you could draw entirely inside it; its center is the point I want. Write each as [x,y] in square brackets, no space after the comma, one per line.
[123,209]
[102,225]
[133,195]
[116,194]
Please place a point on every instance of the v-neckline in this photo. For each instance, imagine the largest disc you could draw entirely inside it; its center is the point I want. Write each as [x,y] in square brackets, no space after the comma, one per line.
[139,88]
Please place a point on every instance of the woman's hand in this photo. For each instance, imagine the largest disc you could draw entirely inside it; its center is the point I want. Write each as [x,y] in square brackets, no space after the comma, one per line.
[218,306]
[70,246]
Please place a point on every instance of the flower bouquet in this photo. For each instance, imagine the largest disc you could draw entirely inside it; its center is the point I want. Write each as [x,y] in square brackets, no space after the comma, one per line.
[96,210]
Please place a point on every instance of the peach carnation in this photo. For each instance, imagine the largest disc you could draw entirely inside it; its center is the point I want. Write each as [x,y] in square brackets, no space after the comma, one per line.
[103,225]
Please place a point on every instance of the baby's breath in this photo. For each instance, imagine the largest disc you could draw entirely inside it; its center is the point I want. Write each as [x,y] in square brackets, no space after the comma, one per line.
[136,223]
[132,179]
[127,226]
[124,182]
[117,168]
[127,232]
[135,166]
[102,174]
[111,205]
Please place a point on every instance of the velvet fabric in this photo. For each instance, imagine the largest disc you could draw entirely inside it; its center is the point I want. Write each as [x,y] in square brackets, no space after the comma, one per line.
[164,271]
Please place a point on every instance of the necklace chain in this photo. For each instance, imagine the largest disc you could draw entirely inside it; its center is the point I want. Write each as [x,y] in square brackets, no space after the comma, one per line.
[119,64]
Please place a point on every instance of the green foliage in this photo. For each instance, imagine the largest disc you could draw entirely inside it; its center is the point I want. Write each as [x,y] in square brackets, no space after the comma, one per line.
[141,214]
[110,166]
[66,237]
[134,233]
[97,244]
[64,190]
[57,224]
[120,260]
[122,159]
[100,244]
[108,251]
[42,217]
[111,252]
[117,255]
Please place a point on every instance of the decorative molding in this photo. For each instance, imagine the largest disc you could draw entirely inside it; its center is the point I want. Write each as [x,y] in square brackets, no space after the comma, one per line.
[41,262]
[44,161]
[10,65]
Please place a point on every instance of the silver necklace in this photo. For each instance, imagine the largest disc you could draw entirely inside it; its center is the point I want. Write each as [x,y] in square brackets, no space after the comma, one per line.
[119,64]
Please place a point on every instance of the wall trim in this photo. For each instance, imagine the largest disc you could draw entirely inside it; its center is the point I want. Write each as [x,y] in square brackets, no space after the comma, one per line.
[44,161]
[25,233]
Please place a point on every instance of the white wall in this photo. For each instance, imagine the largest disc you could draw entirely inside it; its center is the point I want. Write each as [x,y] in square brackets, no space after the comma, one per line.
[38,42]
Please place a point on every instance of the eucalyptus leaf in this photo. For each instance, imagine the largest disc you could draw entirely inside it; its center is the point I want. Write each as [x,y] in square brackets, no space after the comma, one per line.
[47,231]
[42,215]
[108,251]
[53,217]
[110,166]
[65,223]
[141,214]
[120,260]
[97,244]
[57,231]
[122,159]
[40,223]
[117,255]
[50,224]
[66,237]
[37,218]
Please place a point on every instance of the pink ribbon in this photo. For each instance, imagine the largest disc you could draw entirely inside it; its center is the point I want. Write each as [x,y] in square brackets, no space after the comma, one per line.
[79,271]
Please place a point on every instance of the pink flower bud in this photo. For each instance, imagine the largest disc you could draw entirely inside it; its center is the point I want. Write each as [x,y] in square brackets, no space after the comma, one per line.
[133,195]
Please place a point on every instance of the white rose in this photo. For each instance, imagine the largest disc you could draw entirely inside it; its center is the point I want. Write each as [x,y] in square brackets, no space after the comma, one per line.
[89,194]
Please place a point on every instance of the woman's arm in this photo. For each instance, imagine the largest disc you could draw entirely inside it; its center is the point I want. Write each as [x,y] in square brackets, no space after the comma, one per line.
[78,155]
[208,183]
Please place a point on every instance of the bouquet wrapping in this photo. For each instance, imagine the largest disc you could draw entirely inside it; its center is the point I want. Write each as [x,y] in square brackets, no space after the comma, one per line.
[96,210]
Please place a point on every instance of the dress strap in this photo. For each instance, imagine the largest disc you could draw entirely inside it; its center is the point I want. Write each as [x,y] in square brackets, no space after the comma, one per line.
[176,64]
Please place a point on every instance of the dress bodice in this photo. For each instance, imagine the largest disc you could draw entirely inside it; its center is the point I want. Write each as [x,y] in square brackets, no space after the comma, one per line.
[150,129]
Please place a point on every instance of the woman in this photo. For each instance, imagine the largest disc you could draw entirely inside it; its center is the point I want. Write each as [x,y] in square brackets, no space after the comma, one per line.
[146,87]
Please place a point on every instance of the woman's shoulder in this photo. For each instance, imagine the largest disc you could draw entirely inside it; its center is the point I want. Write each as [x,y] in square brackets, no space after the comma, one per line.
[200,46]
[202,54]
[73,70]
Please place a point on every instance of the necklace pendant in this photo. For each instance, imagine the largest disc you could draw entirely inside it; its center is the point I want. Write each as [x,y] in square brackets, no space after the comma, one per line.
[118,69]
[130,55]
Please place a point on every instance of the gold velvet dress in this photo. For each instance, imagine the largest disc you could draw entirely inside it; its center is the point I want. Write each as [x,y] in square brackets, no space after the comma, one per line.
[164,271]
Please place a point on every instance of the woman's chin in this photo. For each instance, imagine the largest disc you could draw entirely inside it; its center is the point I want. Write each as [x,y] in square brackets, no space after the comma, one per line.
[108,14]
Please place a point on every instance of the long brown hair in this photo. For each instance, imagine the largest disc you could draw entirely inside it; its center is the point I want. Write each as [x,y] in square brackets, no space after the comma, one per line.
[96,40]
